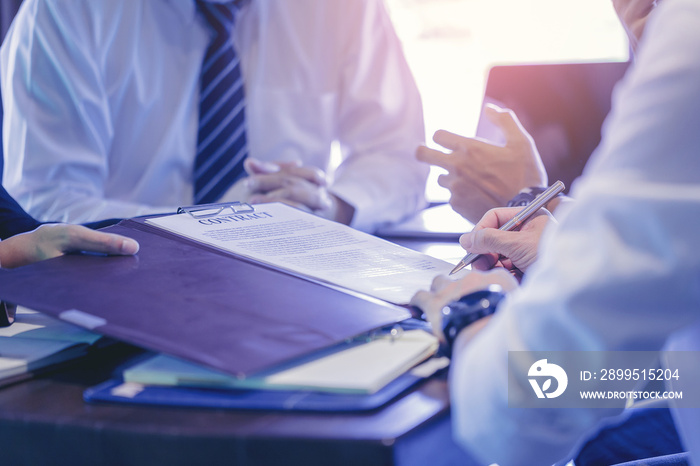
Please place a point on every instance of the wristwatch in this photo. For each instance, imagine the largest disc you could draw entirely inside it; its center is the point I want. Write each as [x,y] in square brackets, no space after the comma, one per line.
[458,315]
[526,196]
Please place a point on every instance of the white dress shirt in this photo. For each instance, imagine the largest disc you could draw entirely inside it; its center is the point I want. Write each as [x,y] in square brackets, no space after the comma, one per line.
[101,103]
[622,269]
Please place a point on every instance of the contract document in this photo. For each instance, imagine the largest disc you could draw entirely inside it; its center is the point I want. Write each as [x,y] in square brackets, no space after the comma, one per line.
[304,244]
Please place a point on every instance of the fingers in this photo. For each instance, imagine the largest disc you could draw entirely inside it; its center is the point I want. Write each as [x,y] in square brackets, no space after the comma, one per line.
[514,249]
[431,305]
[310,174]
[450,140]
[492,241]
[461,145]
[422,299]
[78,238]
[257,167]
[631,10]
[500,277]
[634,14]
[288,182]
[303,187]
[262,184]
[53,240]
[508,122]
[495,218]
[486,262]
[457,143]
[115,245]
[434,157]
[285,169]
[294,191]
[454,142]
[444,291]
[440,282]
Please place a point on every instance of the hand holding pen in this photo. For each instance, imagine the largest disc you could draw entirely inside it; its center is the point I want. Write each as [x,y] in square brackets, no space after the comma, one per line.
[521,217]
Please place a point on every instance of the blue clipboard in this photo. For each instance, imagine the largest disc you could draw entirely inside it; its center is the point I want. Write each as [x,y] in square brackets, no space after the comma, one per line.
[249,400]
[116,391]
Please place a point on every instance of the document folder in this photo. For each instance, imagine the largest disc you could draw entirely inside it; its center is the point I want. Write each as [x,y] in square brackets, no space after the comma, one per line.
[192,301]
[116,391]
[119,390]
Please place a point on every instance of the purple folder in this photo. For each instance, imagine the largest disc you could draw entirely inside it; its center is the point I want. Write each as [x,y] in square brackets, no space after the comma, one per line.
[196,302]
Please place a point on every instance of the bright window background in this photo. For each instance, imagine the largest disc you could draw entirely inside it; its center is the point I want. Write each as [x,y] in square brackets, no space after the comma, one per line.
[451,44]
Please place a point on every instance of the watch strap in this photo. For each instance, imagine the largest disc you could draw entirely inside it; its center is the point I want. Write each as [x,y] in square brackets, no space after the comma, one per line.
[7,314]
[461,313]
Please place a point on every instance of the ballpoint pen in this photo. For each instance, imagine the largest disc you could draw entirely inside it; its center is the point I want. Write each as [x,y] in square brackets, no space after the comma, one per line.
[520,218]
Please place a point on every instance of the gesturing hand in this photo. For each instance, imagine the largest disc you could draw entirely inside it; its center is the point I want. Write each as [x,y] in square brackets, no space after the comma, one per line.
[482,176]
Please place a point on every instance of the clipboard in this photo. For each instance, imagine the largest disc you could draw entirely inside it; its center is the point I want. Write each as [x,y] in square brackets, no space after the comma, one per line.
[116,391]
[303,244]
[212,210]
[196,302]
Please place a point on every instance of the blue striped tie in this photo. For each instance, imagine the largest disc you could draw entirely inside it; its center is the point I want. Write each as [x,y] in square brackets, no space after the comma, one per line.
[221,143]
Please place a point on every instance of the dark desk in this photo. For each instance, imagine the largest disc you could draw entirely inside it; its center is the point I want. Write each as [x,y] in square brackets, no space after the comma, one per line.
[45,421]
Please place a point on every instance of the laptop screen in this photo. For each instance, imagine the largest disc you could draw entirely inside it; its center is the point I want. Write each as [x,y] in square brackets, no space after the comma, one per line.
[562,106]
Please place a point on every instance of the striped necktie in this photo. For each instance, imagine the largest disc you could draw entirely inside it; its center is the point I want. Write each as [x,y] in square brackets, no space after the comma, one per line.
[221,142]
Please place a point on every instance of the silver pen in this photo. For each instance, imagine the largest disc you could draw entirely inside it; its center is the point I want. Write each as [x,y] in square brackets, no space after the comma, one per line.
[520,218]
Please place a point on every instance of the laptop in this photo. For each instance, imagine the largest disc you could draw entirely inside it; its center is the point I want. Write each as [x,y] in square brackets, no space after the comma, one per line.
[561,105]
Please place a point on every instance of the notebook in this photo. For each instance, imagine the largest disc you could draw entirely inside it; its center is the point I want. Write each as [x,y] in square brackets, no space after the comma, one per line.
[353,367]
[37,342]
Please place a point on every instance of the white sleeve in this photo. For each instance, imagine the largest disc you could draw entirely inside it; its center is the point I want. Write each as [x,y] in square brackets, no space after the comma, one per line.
[58,126]
[380,122]
[621,270]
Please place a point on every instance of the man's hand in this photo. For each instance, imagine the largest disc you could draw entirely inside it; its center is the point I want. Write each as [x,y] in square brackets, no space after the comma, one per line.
[634,14]
[305,188]
[444,290]
[49,241]
[482,176]
[513,250]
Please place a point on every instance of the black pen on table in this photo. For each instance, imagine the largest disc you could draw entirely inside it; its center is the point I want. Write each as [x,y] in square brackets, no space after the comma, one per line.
[520,218]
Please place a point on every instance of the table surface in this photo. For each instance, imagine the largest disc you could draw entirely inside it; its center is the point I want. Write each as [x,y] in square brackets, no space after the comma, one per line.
[45,421]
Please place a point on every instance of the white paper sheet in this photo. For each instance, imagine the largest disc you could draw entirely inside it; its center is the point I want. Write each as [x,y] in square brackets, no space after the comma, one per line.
[304,244]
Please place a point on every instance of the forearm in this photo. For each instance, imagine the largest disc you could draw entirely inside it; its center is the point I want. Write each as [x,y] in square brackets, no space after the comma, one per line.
[380,124]
[57,204]
[381,189]
[484,423]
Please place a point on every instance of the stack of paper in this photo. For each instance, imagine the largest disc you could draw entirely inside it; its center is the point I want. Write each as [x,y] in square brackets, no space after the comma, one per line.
[358,368]
[36,341]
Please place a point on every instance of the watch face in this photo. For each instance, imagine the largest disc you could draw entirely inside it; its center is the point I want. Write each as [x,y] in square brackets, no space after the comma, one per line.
[521,200]
[525,197]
